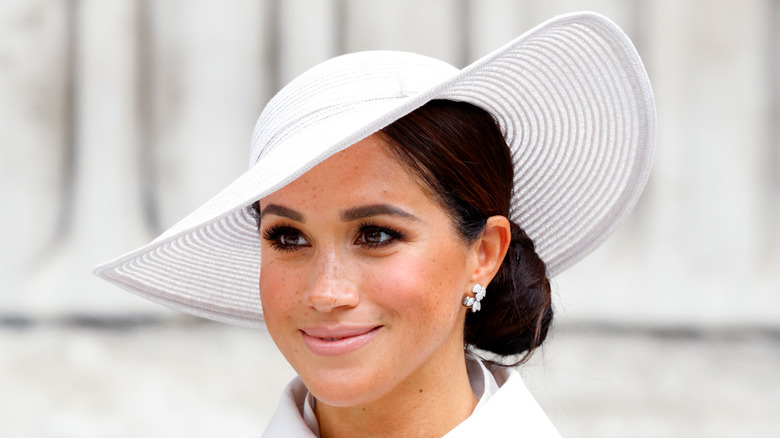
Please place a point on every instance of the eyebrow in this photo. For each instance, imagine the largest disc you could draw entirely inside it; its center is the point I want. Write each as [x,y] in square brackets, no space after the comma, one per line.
[356,213]
[348,215]
[282,211]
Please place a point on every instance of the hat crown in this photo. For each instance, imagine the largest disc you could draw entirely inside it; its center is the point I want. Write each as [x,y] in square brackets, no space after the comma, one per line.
[340,85]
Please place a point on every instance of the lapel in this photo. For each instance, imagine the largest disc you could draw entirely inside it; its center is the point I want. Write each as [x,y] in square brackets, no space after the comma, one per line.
[287,421]
[511,411]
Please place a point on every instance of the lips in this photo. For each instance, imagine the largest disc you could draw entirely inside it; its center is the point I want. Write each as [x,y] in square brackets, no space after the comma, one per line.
[336,340]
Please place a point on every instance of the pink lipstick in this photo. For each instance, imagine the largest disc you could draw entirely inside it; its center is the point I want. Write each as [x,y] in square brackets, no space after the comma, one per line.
[332,341]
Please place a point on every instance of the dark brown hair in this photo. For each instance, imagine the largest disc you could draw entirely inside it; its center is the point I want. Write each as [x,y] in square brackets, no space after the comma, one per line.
[457,153]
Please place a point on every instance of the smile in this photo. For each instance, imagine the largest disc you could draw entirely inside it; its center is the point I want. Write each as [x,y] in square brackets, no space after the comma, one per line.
[333,341]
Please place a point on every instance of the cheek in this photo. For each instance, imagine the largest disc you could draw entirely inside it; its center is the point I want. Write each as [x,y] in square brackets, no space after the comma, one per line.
[278,293]
[423,290]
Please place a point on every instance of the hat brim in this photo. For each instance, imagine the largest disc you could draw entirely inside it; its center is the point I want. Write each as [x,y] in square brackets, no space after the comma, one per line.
[573,101]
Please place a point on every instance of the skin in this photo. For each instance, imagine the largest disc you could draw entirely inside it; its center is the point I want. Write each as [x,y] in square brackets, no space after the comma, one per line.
[401,268]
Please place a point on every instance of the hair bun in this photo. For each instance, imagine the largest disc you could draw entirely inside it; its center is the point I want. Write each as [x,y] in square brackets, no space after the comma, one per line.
[517,311]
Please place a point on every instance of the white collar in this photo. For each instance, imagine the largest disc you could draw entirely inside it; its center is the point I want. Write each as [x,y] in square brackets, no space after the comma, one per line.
[483,382]
[504,405]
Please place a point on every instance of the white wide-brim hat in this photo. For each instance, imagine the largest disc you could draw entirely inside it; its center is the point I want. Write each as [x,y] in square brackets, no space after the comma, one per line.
[571,96]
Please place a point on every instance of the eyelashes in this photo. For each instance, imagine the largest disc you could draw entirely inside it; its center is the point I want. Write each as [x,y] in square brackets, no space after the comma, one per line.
[286,238]
[377,236]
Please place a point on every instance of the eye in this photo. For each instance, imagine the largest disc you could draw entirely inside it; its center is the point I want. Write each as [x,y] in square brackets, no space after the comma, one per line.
[374,236]
[285,238]
[292,240]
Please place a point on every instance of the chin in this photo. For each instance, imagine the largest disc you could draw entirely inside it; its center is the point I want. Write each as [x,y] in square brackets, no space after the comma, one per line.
[344,388]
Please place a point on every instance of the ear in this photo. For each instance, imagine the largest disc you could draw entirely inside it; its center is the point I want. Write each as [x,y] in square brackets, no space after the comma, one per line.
[490,249]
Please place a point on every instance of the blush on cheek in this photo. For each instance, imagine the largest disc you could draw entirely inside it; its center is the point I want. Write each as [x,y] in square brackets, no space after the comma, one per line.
[416,288]
[277,308]
[397,285]
[276,293]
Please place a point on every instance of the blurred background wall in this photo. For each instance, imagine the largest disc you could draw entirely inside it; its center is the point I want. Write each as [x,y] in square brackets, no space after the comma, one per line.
[118,117]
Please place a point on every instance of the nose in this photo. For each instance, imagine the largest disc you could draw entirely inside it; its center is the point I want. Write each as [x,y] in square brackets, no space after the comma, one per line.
[331,287]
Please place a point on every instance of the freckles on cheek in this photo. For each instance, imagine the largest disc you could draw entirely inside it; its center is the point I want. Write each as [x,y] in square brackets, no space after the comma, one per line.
[397,283]
[407,287]
[275,292]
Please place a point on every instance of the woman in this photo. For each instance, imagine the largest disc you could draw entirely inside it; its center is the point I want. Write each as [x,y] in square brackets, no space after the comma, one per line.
[399,223]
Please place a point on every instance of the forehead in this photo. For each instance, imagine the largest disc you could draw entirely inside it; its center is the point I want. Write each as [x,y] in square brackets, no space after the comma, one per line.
[364,172]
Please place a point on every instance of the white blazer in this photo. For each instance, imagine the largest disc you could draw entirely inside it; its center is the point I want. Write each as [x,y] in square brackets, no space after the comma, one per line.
[506,408]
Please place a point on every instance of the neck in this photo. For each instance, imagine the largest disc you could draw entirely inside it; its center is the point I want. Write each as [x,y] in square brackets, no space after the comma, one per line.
[428,403]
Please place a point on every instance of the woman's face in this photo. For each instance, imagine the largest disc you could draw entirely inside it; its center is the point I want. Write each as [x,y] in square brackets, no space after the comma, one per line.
[362,276]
